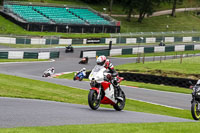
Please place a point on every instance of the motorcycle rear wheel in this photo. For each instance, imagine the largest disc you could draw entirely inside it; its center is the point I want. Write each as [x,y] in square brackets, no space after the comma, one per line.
[120,103]
[195,111]
[93,102]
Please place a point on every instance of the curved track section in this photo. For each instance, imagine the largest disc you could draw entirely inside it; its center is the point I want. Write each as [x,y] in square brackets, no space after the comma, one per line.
[24,112]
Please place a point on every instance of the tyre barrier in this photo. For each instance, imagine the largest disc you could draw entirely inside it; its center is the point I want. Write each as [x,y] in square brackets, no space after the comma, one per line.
[160,80]
[139,50]
[29,55]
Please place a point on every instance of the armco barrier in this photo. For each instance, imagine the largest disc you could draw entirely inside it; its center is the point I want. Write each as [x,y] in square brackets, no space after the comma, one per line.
[123,40]
[29,55]
[136,50]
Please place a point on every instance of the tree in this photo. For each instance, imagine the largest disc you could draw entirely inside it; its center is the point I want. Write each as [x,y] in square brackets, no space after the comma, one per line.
[110,8]
[146,7]
[1,2]
[174,3]
[128,7]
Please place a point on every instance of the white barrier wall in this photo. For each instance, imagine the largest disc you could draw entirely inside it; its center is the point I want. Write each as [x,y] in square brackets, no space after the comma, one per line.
[138,50]
[187,39]
[8,40]
[169,39]
[115,52]
[196,47]
[84,41]
[38,41]
[89,54]
[159,49]
[131,40]
[65,41]
[114,40]
[44,55]
[15,55]
[150,40]
[180,48]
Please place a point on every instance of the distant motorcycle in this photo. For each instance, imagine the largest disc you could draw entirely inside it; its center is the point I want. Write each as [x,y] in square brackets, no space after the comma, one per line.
[84,60]
[79,76]
[69,49]
[46,74]
[195,103]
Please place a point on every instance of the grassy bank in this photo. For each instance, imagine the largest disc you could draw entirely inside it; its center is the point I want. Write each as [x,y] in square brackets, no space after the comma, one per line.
[182,22]
[12,86]
[185,21]
[189,68]
[166,127]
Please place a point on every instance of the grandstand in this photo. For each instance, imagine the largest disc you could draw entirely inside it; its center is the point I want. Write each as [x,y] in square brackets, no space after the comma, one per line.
[59,19]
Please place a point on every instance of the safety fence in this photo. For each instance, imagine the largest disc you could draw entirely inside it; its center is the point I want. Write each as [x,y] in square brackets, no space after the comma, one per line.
[48,40]
[29,55]
[153,79]
[139,50]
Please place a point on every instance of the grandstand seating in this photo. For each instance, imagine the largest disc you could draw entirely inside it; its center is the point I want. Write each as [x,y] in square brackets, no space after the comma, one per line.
[27,13]
[89,16]
[58,15]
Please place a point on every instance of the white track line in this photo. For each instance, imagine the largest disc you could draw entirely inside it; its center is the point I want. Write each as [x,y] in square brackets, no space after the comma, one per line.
[157,104]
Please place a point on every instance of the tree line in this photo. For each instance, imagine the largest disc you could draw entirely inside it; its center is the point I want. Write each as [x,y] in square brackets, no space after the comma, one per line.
[142,7]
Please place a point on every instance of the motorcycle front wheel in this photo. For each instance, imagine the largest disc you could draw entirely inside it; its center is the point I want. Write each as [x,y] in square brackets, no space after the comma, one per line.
[195,110]
[120,103]
[93,102]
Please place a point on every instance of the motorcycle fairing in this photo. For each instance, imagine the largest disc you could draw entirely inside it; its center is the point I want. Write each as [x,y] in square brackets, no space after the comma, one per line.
[96,89]
[109,93]
[106,100]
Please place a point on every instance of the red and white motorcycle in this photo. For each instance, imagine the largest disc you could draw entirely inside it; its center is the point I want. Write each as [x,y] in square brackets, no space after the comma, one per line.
[102,90]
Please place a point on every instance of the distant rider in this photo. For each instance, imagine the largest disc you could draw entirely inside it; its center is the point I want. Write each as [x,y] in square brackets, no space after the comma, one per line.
[83,70]
[103,61]
[51,70]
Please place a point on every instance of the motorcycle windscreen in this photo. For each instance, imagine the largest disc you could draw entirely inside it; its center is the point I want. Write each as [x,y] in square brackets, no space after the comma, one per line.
[97,73]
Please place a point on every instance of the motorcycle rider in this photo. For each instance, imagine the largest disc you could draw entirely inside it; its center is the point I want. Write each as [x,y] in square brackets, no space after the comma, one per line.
[103,61]
[84,71]
[51,70]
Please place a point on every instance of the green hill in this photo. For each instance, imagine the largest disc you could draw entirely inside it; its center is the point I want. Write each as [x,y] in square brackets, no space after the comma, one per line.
[187,21]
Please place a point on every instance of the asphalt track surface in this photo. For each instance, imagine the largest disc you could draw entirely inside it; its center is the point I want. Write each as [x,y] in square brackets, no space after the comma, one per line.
[22,112]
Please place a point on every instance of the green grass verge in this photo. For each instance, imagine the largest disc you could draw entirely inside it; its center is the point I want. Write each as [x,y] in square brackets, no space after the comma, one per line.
[48,46]
[159,54]
[141,85]
[164,127]
[12,86]
[21,60]
[189,68]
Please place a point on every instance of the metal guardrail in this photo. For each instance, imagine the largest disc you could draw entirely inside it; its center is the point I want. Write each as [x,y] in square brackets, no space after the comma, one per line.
[131,34]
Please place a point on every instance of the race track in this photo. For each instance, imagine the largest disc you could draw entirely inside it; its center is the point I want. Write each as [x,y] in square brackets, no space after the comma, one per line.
[17,112]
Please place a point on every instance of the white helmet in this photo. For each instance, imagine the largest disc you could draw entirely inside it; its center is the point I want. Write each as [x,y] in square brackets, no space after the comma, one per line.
[101,60]
[84,69]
